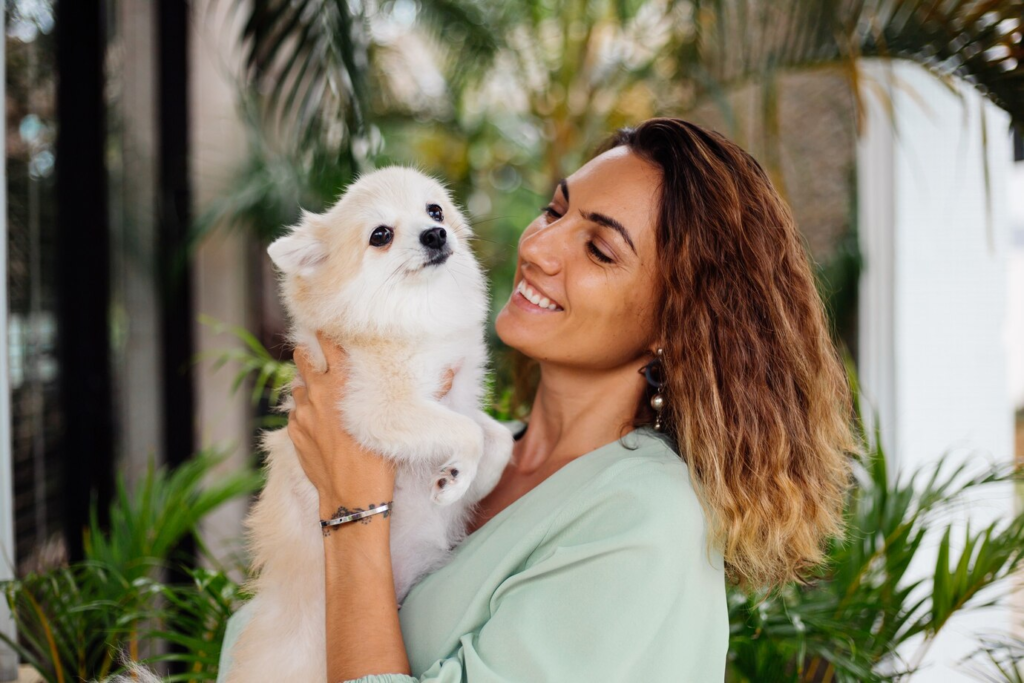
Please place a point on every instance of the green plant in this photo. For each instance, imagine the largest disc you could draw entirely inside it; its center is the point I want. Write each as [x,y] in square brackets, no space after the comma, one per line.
[194,617]
[848,621]
[73,621]
[148,522]
[999,659]
[270,376]
[578,69]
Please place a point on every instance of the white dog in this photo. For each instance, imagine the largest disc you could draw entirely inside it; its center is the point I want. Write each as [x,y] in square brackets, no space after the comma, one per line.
[387,273]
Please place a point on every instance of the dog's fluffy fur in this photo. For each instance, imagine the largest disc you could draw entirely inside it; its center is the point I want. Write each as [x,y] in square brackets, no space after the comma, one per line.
[404,313]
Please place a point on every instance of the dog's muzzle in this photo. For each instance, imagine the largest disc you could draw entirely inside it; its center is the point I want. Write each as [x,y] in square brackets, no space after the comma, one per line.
[435,242]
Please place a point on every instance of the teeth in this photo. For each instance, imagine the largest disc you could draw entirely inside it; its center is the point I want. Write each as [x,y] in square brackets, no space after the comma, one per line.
[535,298]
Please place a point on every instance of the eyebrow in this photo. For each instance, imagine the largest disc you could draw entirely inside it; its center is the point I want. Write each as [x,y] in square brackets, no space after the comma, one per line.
[610,222]
[600,218]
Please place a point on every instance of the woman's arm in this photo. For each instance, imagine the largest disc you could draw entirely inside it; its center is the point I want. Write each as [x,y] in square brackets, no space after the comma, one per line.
[363,632]
[620,589]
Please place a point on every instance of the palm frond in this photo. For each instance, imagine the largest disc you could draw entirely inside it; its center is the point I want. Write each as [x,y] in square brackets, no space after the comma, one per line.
[147,524]
[310,58]
[998,659]
[976,40]
[73,622]
[271,376]
[848,622]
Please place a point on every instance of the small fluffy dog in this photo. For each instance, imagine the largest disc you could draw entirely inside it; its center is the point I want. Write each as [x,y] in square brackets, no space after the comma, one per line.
[387,274]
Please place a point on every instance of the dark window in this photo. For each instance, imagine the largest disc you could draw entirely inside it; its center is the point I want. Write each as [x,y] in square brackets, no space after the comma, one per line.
[32,325]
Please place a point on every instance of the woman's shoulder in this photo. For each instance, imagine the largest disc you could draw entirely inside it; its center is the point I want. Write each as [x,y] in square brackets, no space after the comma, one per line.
[647,470]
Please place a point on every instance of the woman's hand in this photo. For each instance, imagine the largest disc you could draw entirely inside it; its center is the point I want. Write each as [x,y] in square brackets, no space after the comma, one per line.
[343,472]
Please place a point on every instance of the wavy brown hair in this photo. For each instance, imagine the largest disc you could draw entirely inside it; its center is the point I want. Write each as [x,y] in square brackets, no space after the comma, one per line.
[757,397]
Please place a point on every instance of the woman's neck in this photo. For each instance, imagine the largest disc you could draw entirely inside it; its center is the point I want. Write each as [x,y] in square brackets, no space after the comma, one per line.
[576,412]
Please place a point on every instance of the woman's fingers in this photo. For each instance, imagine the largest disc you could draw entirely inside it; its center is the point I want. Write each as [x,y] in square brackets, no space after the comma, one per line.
[301,358]
[317,383]
[299,394]
[334,354]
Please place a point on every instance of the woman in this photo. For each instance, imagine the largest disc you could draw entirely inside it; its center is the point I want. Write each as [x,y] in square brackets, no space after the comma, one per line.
[690,424]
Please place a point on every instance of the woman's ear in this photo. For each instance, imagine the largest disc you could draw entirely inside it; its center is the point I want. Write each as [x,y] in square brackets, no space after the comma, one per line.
[300,252]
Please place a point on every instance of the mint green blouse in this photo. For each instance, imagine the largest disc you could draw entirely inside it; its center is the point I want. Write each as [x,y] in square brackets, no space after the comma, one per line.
[599,573]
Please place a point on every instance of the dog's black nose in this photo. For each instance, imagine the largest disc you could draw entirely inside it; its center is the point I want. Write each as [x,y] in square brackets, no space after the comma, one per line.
[434,238]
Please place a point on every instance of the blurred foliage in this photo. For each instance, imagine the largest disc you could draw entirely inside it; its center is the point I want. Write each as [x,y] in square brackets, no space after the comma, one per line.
[148,523]
[525,89]
[552,78]
[270,377]
[74,622]
[999,659]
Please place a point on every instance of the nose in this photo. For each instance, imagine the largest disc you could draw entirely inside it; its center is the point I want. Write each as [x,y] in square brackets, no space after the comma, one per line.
[434,238]
[543,248]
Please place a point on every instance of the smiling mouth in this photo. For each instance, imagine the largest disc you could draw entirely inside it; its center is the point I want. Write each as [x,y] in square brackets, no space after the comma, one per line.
[535,297]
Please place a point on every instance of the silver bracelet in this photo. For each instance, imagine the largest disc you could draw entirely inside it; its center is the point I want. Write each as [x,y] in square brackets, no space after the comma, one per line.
[355,516]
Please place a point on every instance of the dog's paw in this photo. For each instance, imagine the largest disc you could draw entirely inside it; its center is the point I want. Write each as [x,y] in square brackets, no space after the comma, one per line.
[451,483]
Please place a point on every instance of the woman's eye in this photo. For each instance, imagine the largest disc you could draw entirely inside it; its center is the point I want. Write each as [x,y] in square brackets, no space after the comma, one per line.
[381,236]
[435,213]
[598,254]
[550,212]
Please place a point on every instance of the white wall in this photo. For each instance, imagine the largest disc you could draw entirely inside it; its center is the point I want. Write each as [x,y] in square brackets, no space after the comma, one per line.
[220,271]
[933,313]
[1015,303]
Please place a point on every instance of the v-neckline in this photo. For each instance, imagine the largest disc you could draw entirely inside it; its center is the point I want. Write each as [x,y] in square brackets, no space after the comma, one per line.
[554,476]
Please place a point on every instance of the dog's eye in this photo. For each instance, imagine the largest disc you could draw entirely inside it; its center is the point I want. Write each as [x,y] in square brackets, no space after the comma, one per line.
[381,236]
[435,213]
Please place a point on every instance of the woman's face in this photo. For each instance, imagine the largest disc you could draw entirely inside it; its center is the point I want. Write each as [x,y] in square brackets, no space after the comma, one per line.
[586,277]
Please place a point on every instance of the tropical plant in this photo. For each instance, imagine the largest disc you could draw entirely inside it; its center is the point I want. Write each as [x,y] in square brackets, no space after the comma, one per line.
[194,618]
[73,622]
[148,522]
[999,659]
[552,78]
[252,359]
[850,621]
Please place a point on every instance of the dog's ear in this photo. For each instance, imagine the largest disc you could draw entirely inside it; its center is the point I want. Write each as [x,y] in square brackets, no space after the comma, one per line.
[299,252]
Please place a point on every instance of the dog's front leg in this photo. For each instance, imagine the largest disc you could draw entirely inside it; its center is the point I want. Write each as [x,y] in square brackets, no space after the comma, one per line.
[498,444]
[418,431]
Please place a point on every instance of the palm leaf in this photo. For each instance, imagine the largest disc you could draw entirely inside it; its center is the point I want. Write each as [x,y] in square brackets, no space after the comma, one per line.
[310,58]
[848,622]
[976,40]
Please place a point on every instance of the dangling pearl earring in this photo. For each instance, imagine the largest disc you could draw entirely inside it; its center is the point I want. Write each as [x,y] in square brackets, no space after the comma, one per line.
[654,373]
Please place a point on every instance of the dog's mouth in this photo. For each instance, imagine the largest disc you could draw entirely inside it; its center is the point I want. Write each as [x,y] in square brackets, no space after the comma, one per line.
[437,259]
